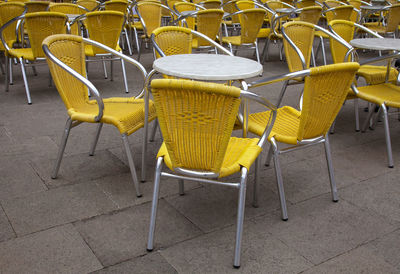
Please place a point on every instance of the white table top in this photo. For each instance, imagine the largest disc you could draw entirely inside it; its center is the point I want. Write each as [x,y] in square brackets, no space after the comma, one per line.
[208,67]
[373,7]
[376,43]
[72,16]
[285,10]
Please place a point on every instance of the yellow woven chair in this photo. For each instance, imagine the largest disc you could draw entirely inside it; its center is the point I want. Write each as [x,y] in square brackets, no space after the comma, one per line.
[305,3]
[18,1]
[66,60]
[90,5]
[230,22]
[211,4]
[9,11]
[310,14]
[332,4]
[251,21]
[189,21]
[69,8]
[39,25]
[196,121]
[325,90]
[392,22]
[36,6]
[208,23]
[105,27]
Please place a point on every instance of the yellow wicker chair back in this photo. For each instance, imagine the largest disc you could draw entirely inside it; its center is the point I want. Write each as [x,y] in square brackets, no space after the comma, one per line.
[36,6]
[333,3]
[186,6]
[230,7]
[18,1]
[151,15]
[66,8]
[251,21]
[245,5]
[290,2]
[9,11]
[42,24]
[345,29]
[70,51]
[173,40]
[302,35]
[105,27]
[340,13]
[90,5]
[393,18]
[311,14]
[274,4]
[195,131]
[212,4]
[116,5]
[324,93]
[355,3]
[305,3]
[209,23]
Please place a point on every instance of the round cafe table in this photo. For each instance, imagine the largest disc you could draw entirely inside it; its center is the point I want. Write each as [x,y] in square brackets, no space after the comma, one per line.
[376,43]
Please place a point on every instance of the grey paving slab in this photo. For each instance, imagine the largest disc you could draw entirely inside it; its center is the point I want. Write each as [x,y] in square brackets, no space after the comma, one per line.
[359,260]
[151,263]
[79,168]
[56,250]
[320,229]
[18,178]
[123,235]
[31,147]
[213,207]
[213,253]
[380,194]
[6,231]
[43,210]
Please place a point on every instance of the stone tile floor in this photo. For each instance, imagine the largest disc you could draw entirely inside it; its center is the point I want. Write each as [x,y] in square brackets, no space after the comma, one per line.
[89,219]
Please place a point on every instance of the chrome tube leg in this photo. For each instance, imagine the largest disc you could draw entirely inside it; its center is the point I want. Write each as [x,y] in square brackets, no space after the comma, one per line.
[256,182]
[1,67]
[330,169]
[145,127]
[269,156]
[128,43]
[376,118]
[124,76]
[313,58]
[366,122]
[10,61]
[153,130]
[240,217]
[50,79]
[34,70]
[137,41]
[28,95]
[323,50]
[257,53]
[265,51]
[181,187]
[280,98]
[356,115]
[332,129]
[104,68]
[96,139]
[279,181]
[140,50]
[387,136]
[6,76]
[61,150]
[112,69]
[281,52]
[131,164]
[154,204]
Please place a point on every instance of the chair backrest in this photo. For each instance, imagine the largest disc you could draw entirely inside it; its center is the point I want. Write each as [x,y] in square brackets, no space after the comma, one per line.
[393,18]
[117,5]
[324,93]
[42,24]
[70,50]
[355,3]
[18,1]
[90,5]
[36,6]
[230,7]
[105,27]
[339,13]
[245,5]
[345,29]
[67,8]
[209,23]
[196,120]
[186,6]
[333,3]
[305,3]
[311,14]
[251,21]
[301,34]
[150,13]
[9,11]
[212,4]
[173,40]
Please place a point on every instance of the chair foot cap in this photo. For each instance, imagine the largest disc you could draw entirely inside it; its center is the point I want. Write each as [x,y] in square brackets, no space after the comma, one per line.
[149,250]
[142,181]
[181,194]
[29,103]
[335,201]
[285,220]
[255,205]
[139,196]
[236,266]
[391,166]
[357,130]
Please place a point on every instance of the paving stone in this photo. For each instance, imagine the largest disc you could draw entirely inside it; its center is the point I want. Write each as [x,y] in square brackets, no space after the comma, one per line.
[56,250]
[6,231]
[359,260]
[380,194]
[213,253]
[213,207]
[320,229]
[42,210]
[79,168]
[151,263]
[123,235]
[36,146]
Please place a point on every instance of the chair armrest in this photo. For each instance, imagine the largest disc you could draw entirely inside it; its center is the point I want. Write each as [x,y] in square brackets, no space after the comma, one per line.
[3,27]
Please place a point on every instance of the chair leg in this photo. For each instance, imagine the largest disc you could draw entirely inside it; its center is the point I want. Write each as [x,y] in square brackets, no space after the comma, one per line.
[128,43]
[314,64]
[154,204]
[124,75]
[104,68]
[10,61]
[387,136]
[181,187]
[1,67]
[136,40]
[153,131]
[256,182]
[265,51]
[257,53]
[6,76]
[240,217]
[332,129]
[280,98]
[269,156]
[34,71]
[140,50]
[356,115]
[131,164]
[64,140]
[96,139]
[323,49]
[366,122]
[279,182]
[28,95]
[111,69]
[330,169]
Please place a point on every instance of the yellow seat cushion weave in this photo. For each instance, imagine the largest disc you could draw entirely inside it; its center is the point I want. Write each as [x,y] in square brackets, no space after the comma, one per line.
[241,152]
[127,114]
[25,53]
[89,51]
[234,40]
[264,33]
[382,93]
[376,74]
[285,128]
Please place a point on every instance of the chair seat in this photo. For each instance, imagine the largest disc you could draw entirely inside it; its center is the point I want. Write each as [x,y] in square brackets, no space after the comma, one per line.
[240,152]
[25,53]
[9,43]
[234,40]
[264,33]
[285,127]
[381,93]
[376,26]
[89,50]
[137,25]
[376,74]
[127,114]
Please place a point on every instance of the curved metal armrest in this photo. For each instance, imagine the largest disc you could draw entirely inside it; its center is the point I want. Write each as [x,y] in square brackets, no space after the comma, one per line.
[367,30]
[275,19]
[381,58]
[261,100]
[298,51]
[77,19]
[279,78]
[366,3]
[141,19]
[3,27]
